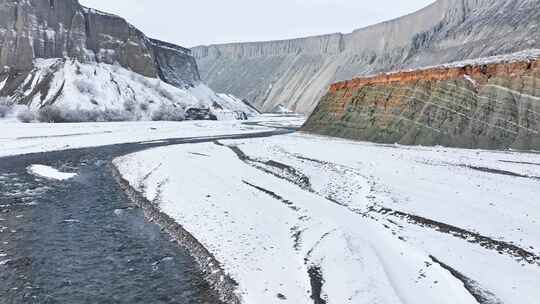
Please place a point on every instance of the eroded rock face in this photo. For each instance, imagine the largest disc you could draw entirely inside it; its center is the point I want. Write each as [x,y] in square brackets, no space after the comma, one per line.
[63,28]
[175,64]
[494,105]
[296,73]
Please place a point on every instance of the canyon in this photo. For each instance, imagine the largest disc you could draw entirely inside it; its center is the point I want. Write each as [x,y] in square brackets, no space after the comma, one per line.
[490,103]
[296,73]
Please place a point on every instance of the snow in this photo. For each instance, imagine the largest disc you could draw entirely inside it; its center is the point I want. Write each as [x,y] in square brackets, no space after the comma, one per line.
[469,79]
[279,120]
[298,202]
[235,103]
[49,172]
[4,262]
[281,109]
[19,138]
[83,88]
[3,83]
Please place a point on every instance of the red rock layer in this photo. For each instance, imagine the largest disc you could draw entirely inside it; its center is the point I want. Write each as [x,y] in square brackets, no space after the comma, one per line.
[440,74]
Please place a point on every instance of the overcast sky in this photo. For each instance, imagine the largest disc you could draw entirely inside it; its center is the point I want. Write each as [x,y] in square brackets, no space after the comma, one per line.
[195,22]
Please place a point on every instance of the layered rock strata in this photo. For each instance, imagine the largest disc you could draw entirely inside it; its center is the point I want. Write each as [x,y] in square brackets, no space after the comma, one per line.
[492,103]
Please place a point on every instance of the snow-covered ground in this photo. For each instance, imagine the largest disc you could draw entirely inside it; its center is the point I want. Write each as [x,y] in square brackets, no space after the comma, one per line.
[303,219]
[18,138]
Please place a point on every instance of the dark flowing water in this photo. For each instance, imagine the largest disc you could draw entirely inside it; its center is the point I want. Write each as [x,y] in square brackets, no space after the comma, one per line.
[82,240]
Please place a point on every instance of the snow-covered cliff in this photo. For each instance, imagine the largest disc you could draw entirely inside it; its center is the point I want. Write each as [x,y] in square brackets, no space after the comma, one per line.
[62,54]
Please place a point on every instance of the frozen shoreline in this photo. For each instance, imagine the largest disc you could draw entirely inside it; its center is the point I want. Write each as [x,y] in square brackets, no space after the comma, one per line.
[219,281]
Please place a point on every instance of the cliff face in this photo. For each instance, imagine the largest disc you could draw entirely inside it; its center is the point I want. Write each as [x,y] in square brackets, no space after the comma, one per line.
[296,73]
[492,103]
[80,64]
[175,65]
[63,28]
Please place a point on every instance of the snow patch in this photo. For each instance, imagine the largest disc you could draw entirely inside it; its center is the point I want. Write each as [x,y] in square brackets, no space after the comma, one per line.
[49,172]
[3,83]
[4,262]
[469,79]
[281,109]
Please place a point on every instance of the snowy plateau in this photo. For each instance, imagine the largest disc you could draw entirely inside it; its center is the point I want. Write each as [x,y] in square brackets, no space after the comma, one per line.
[307,219]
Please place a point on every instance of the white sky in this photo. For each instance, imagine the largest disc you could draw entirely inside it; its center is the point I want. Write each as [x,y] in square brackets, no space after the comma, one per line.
[195,22]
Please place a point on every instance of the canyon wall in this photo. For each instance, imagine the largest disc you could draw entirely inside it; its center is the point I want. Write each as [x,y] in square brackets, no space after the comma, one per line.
[63,62]
[492,103]
[64,29]
[298,72]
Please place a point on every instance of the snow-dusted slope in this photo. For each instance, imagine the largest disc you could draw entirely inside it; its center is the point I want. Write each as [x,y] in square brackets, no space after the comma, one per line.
[306,219]
[234,103]
[102,92]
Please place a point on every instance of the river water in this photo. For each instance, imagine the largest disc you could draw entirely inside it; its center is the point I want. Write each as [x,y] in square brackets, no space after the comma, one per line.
[83,241]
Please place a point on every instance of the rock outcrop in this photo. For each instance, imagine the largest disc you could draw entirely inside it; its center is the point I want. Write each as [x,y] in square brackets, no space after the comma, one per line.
[175,65]
[491,103]
[65,29]
[92,65]
[296,73]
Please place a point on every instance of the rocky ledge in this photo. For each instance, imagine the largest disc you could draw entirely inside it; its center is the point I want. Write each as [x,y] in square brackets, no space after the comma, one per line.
[491,103]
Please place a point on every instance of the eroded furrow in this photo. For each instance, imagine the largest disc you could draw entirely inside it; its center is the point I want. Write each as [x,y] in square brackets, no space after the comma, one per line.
[316,280]
[520,254]
[286,202]
[272,167]
[498,171]
[506,248]
[314,272]
[481,295]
